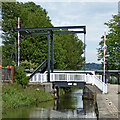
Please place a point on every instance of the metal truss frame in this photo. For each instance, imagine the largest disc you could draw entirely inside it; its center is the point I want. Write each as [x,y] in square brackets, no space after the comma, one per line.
[50,31]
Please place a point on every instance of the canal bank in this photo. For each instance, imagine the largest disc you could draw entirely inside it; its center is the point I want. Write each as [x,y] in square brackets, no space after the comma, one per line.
[69,105]
[15,96]
[108,104]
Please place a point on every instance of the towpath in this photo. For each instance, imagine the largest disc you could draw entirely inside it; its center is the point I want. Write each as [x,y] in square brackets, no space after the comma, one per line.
[109,104]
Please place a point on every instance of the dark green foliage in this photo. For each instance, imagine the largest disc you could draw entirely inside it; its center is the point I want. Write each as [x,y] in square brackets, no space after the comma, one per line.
[28,65]
[20,77]
[33,48]
[68,49]
[112,45]
[10,12]
[113,82]
[0,55]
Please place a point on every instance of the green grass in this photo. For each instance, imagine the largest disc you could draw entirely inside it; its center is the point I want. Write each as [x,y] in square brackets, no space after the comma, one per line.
[14,96]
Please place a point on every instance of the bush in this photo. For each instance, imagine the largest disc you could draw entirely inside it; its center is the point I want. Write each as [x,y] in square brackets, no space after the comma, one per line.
[20,77]
[113,81]
[28,65]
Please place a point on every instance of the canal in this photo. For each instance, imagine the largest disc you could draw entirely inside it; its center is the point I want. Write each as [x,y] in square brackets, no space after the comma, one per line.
[70,105]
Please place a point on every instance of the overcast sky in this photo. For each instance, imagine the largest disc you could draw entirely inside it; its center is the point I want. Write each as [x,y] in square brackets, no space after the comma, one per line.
[92,14]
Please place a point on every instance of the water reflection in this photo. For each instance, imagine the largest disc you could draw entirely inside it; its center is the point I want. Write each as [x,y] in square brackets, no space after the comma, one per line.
[68,106]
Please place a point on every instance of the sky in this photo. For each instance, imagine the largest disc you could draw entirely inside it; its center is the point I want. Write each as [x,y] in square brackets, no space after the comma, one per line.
[93,14]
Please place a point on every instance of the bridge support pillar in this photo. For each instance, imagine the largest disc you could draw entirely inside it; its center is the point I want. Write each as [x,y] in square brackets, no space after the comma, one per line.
[90,91]
[47,87]
[87,94]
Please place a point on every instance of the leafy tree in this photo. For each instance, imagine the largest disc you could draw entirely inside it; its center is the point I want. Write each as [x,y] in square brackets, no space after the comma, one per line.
[112,45]
[33,48]
[10,12]
[0,56]
[28,65]
[68,49]
[33,16]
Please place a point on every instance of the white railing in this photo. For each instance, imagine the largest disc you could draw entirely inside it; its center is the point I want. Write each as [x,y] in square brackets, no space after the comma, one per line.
[89,79]
[99,77]
[101,85]
[71,77]
[66,77]
[38,78]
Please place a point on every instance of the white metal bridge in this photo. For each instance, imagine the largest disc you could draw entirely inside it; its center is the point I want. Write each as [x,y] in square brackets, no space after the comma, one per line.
[72,78]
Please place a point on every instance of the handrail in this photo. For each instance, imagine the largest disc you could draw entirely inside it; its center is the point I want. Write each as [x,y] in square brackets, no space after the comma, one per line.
[70,77]
[101,85]
[40,66]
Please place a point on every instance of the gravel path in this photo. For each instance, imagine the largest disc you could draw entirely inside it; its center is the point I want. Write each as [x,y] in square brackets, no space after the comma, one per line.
[109,104]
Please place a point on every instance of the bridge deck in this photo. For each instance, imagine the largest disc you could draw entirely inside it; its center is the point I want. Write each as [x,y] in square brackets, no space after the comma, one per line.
[71,79]
[69,84]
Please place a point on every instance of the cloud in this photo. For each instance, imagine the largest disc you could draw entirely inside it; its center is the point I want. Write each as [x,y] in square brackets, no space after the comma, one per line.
[92,13]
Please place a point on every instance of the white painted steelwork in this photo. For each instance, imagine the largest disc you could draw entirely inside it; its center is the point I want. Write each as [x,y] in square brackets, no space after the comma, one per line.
[71,77]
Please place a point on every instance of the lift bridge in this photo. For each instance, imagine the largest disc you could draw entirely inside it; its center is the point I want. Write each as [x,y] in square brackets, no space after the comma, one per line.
[70,78]
[62,78]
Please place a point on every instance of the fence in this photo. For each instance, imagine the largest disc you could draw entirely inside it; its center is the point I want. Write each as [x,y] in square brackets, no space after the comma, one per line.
[7,74]
[69,77]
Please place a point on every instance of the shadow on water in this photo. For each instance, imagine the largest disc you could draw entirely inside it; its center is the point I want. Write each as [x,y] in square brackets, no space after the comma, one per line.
[70,105]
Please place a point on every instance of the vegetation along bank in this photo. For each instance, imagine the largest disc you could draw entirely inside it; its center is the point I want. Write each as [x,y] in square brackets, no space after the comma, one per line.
[14,96]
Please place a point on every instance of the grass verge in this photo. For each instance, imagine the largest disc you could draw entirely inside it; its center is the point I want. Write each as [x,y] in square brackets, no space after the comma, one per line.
[14,96]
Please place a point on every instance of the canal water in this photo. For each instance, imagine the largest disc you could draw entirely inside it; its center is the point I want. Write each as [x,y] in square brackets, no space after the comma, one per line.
[68,106]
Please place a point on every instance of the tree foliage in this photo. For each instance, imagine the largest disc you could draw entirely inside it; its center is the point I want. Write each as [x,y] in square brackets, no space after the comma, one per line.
[20,77]
[112,44]
[28,65]
[10,12]
[32,47]
[68,49]
[0,56]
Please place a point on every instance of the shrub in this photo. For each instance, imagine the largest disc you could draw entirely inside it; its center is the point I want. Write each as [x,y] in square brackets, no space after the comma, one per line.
[113,81]
[28,64]
[20,77]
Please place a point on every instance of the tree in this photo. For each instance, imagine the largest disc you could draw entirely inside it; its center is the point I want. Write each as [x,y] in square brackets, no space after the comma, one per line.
[10,12]
[112,45]
[0,56]
[33,48]
[68,49]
